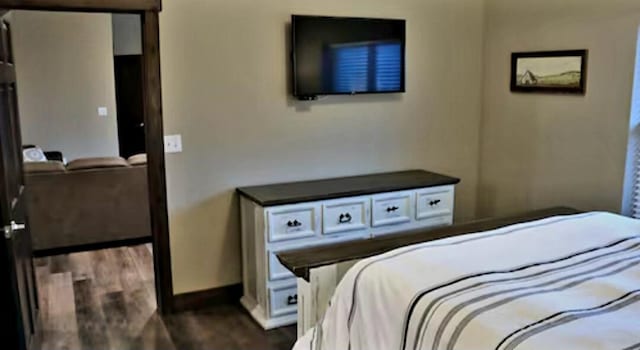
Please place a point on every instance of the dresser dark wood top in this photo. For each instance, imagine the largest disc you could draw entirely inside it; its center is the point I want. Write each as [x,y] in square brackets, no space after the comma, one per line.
[300,261]
[315,190]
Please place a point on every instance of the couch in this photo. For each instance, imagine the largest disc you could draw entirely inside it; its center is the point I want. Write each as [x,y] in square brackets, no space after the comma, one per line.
[88,202]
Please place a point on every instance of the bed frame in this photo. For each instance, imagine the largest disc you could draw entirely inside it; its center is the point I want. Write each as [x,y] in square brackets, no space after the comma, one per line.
[320,269]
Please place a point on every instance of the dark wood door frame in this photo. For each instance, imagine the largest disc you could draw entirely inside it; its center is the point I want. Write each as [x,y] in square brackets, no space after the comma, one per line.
[116,6]
[152,95]
[152,101]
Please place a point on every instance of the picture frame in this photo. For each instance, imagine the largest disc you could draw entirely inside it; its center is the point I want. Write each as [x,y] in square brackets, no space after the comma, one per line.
[563,72]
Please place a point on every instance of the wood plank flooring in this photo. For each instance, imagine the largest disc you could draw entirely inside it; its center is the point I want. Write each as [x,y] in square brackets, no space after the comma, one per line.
[105,299]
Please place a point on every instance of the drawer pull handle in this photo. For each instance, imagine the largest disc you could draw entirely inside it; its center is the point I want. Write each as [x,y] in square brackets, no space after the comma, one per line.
[345,218]
[435,202]
[292,299]
[392,209]
[294,223]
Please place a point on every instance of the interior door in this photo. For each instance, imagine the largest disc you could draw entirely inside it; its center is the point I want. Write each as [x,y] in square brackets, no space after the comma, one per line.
[19,308]
[130,110]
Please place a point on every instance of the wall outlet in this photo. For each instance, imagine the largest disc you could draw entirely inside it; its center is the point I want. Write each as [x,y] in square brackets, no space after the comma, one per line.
[103,112]
[173,143]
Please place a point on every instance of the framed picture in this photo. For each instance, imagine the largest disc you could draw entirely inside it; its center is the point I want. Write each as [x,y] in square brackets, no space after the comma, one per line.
[549,71]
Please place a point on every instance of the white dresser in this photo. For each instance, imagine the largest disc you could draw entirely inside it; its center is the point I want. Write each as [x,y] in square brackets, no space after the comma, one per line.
[290,216]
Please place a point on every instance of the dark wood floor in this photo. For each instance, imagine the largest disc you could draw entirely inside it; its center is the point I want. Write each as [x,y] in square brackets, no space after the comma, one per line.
[106,300]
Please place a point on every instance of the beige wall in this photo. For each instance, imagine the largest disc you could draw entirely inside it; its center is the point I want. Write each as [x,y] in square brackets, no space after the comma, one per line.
[543,150]
[225,89]
[64,66]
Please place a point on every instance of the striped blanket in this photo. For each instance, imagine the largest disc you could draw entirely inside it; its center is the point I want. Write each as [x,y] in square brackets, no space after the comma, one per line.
[566,282]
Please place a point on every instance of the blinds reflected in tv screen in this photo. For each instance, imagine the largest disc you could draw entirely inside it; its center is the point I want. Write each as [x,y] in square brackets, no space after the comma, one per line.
[347,55]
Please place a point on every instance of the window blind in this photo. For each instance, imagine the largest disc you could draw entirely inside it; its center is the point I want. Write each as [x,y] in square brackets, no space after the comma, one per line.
[634,144]
[634,140]
[367,67]
[351,72]
[388,67]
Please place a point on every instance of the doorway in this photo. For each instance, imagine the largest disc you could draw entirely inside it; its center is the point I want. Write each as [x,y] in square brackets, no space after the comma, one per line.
[127,63]
[17,267]
[128,78]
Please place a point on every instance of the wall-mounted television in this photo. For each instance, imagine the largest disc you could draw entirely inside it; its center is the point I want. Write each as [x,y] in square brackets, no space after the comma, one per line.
[347,56]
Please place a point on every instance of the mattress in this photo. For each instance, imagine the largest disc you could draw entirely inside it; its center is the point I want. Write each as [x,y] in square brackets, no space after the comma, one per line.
[565,282]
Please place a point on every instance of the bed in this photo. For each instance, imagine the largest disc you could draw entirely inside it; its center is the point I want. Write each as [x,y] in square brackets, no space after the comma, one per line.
[562,282]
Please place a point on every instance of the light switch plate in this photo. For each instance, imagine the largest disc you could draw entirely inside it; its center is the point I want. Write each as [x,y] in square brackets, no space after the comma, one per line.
[103,112]
[173,143]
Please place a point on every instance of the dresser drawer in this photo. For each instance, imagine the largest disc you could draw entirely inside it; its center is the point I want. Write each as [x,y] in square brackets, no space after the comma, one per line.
[390,208]
[434,202]
[345,215]
[276,270]
[292,222]
[283,300]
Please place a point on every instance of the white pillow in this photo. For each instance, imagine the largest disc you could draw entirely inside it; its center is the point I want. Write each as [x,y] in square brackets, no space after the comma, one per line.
[33,154]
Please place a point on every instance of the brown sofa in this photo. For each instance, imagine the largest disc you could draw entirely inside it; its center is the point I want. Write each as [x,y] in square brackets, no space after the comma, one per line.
[88,202]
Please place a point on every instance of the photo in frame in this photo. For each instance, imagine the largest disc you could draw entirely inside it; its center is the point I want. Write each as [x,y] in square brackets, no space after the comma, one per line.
[549,71]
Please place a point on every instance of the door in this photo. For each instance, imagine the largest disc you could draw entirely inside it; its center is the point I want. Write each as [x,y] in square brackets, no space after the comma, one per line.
[130,110]
[17,277]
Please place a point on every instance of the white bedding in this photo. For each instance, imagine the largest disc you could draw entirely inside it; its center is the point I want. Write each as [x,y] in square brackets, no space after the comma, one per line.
[567,282]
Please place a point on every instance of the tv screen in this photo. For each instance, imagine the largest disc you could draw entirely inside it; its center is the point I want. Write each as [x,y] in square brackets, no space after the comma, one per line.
[339,55]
